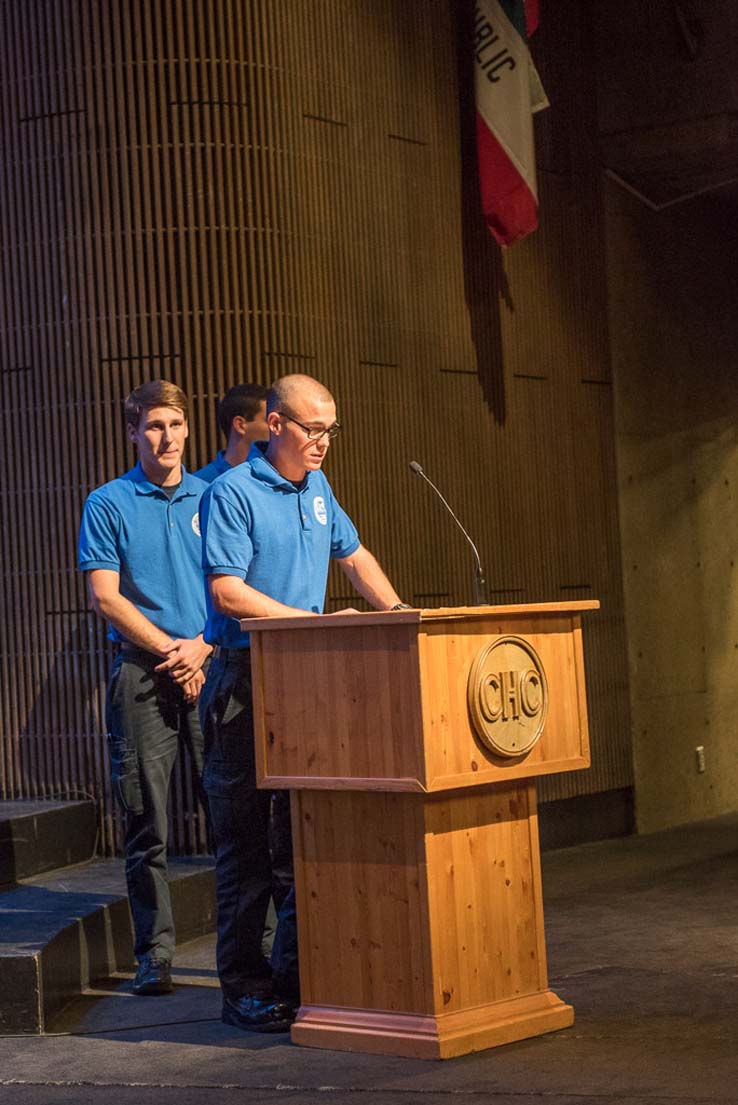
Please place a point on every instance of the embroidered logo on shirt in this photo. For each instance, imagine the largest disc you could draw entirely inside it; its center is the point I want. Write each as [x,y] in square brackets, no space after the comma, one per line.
[196,523]
[319,509]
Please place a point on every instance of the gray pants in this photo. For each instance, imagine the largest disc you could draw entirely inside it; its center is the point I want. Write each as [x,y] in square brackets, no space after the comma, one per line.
[147,717]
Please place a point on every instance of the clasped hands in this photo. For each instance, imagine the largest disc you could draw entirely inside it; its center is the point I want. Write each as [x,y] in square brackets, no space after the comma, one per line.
[184,659]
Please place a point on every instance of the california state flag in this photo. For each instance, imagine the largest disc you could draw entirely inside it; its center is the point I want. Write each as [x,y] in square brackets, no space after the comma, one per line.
[508,92]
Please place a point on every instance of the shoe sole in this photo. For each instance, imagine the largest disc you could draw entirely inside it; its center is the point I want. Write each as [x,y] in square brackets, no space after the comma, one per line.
[275,1026]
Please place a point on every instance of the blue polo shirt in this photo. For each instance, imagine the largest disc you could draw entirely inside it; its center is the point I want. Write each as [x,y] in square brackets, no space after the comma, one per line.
[132,527]
[279,538]
[216,468]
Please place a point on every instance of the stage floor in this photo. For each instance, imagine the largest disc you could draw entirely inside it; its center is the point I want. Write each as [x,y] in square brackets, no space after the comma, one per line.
[642,941]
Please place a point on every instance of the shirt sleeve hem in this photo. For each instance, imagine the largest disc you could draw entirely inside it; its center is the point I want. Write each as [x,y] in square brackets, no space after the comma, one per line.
[224,570]
[90,565]
[352,549]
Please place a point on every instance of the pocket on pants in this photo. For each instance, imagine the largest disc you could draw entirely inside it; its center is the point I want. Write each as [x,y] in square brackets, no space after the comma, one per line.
[124,770]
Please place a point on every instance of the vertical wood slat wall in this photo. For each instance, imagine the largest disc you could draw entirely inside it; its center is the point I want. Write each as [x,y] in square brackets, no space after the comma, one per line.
[229,190]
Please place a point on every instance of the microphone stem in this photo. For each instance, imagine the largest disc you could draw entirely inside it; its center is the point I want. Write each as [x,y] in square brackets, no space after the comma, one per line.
[480,583]
[458,523]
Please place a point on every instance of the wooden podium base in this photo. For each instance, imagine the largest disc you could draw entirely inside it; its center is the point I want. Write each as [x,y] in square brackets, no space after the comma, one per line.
[432,1037]
[421,921]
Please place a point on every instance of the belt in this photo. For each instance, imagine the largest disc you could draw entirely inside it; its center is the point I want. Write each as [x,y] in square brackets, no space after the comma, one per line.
[228,654]
[219,652]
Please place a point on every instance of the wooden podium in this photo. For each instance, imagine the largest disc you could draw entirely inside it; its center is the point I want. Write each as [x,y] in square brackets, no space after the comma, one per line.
[411,742]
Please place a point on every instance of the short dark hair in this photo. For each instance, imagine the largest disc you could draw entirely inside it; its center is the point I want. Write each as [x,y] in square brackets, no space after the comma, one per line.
[243,400]
[156,393]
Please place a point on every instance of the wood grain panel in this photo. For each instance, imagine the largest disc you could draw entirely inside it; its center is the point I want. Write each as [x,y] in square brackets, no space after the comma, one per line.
[365,686]
[454,754]
[371,882]
[387,706]
[484,895]
[421,922]
[395,867]
[218,192]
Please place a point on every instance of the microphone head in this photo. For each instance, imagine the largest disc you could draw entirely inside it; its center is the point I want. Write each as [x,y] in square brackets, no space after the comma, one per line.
[415,467]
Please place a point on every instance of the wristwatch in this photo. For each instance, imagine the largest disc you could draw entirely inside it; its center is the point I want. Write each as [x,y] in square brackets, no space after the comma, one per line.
[401,606]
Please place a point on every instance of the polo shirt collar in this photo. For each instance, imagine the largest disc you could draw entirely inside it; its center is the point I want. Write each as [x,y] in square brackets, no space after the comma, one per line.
[143,485]
[267,473]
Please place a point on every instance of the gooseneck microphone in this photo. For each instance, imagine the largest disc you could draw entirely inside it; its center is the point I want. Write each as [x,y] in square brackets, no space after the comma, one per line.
[480,583]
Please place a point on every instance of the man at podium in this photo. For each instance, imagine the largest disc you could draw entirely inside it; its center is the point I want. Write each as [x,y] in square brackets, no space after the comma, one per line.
[270,528]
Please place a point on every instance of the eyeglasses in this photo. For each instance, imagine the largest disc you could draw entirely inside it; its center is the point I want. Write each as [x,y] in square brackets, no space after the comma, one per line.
[314,433]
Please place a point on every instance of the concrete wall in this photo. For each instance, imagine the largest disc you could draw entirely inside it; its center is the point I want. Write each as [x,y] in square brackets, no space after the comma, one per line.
[674,337]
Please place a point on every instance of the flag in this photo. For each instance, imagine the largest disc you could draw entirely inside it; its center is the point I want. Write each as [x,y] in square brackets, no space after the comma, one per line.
[532,16]
[508,92]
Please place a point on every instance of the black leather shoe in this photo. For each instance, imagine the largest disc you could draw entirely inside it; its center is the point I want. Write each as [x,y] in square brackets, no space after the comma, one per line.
[259,1012]
[154,976]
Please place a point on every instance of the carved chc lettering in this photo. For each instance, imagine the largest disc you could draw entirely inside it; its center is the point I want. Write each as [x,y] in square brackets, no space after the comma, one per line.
[491,698]
[507,696]
[504,694]
[531,693]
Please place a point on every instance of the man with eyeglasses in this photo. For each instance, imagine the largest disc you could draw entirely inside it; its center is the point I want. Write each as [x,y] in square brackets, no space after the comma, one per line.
[270,528]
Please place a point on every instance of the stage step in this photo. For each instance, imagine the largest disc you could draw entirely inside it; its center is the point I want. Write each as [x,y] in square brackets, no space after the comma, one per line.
[38,835]
[65,924]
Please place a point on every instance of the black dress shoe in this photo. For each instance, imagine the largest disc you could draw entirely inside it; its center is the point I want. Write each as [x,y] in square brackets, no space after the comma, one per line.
[260,1012]
[154,976]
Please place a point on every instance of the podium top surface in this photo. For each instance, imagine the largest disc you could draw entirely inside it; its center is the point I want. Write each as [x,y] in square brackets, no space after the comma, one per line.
[436,614]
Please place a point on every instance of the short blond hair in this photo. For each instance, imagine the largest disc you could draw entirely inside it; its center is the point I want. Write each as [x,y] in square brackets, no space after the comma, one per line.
[294,386]
[157,393]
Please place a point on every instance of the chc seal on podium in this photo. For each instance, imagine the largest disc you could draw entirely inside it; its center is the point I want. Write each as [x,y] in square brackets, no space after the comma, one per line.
[508,696]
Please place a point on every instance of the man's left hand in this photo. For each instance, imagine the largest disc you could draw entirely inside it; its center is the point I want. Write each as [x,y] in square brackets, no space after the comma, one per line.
[185,657]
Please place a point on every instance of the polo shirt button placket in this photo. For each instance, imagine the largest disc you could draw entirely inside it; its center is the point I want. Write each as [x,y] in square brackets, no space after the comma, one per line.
[303,515]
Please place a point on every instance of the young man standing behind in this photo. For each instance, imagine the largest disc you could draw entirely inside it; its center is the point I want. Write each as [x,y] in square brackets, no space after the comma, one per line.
[140,549]
[242,418]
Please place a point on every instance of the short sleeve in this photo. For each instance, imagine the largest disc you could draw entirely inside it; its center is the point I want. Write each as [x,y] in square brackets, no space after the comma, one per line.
[227,548]
[344,537]
[98,536]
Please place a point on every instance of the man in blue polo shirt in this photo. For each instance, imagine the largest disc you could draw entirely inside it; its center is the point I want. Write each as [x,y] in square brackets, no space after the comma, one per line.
[242,419]
[270,528]
[140,548]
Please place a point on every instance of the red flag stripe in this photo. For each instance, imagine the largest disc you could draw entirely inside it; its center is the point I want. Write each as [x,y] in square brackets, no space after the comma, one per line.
[532,15]
[510,208]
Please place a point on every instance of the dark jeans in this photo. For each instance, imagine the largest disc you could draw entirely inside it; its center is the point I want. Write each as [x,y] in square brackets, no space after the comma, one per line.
[147,717]
[252,838]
